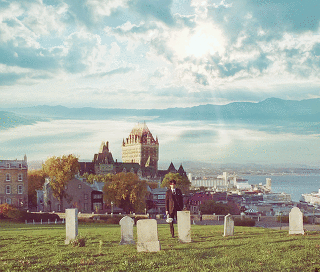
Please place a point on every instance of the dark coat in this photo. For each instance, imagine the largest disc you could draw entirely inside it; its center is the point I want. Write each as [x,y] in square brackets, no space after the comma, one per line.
[174,202]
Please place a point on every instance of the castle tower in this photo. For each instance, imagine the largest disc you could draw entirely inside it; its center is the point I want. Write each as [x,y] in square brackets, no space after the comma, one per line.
[140,147]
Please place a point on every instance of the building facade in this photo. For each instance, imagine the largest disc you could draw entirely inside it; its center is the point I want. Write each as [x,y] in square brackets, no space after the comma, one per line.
[140,147]
[14,182]
[79,194]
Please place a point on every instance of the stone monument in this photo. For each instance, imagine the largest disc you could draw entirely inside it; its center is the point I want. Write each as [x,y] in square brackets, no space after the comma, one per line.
[228,225]
[126,224]
[296,221]
[147,234]
[71,225]
[184,226]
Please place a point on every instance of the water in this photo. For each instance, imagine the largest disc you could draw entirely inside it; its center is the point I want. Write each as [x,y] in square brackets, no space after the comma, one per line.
[295,185]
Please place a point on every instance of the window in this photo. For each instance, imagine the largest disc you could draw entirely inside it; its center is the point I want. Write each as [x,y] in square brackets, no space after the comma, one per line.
[79,186]
[8,165]
[59,208]
[20,189]
[20,165]
[8,189]
[8,177]
[85,196]
[97,196]
[161,197]
[85,206]
[8,201]
[20,177]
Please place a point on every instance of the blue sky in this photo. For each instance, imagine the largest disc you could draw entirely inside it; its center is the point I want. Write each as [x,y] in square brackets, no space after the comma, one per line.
[157,54]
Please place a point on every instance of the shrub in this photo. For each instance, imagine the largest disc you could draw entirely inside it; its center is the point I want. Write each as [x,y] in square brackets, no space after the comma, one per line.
[4,209]
[108,219]
[17,214]
[285,219]
[246,222]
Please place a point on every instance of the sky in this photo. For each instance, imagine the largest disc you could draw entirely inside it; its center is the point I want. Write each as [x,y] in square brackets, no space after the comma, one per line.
[145,54]
[157,54]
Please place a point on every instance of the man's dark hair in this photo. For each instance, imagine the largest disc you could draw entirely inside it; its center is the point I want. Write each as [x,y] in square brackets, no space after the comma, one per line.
[173,181]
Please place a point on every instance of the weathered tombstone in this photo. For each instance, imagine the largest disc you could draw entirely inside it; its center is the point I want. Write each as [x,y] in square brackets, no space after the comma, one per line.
[228,225]
[71,225]
[126,224]
[184,226]
[296,221]
[147,234]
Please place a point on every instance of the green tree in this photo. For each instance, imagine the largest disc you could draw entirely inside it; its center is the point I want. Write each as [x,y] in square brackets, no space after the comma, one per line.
[182,182]
[36,179]
[126,191]
[60,170]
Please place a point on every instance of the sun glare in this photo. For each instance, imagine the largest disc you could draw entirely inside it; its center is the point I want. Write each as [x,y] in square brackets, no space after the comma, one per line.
[206,40]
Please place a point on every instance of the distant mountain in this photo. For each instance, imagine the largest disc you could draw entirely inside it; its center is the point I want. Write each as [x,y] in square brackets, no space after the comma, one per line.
[9,120]
[269,110]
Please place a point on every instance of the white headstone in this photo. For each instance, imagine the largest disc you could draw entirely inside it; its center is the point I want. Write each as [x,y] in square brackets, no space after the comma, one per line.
[71,225]
[228,225]
[296,221]
[184,226]
[147,234]
[126,224]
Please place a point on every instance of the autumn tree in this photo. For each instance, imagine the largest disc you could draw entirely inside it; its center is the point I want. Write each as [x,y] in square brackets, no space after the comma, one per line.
[60,170]
[36,179]
[99,178]
[182,182]
[126,191]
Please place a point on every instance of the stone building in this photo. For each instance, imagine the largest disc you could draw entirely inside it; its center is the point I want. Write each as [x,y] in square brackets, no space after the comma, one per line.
[140,147]
[79,194]
[14,182]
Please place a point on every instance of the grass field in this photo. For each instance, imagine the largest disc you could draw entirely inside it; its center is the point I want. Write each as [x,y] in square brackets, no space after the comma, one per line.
[41,248]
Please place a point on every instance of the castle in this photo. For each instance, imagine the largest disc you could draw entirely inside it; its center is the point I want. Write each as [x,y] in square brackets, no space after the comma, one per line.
[140,155]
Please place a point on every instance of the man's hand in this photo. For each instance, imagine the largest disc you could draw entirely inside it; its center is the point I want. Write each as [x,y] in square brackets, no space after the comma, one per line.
[167,212]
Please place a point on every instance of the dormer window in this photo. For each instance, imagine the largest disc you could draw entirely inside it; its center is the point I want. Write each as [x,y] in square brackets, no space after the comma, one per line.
[8,165]
[20,165]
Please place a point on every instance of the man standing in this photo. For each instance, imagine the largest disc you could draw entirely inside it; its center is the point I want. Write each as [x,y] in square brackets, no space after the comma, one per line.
[174,203]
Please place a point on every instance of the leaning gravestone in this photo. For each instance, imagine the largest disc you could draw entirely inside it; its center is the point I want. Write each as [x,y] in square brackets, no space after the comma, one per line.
[71,225]
[126,224]
[184,226]
[228,225]
[147,234]
[296,221]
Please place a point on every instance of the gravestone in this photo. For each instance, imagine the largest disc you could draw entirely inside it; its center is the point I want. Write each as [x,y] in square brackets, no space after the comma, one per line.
[71,225]
[228,225]
[184,226]
[296,221]
[147,234]
[126,224]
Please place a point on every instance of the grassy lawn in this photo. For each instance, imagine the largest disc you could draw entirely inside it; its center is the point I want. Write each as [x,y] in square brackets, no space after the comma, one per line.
[41,248]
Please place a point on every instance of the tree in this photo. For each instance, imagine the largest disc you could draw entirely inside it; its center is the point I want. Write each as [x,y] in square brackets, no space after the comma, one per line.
[182,182]
[127,192]
[36,179]
[99,178]
[60,170]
